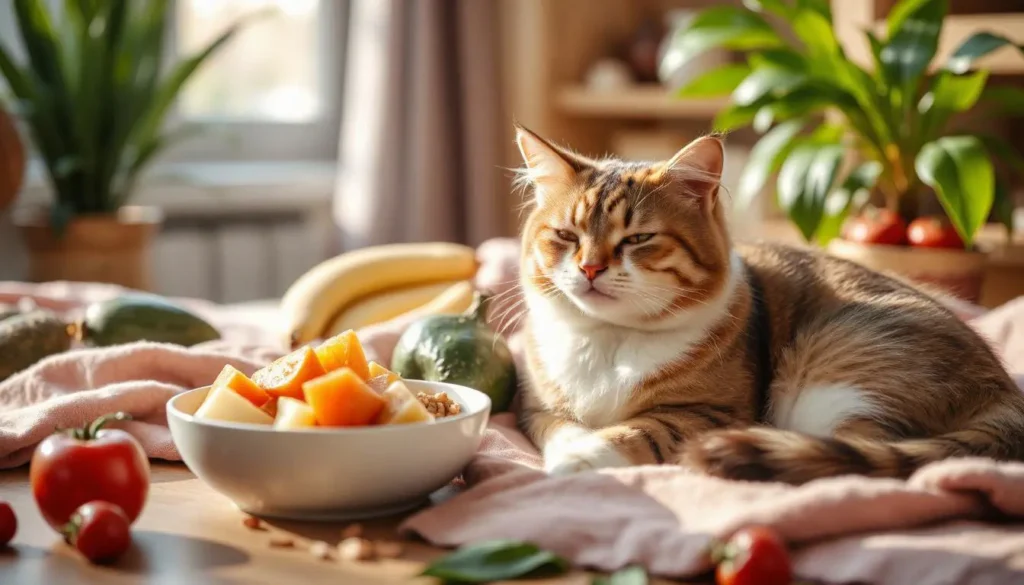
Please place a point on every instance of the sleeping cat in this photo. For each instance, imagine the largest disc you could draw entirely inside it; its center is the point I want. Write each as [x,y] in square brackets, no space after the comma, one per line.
[652,338]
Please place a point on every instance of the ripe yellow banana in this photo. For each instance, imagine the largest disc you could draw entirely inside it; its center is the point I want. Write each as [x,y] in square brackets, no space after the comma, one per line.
[454,300]
[381,306]
[309,305]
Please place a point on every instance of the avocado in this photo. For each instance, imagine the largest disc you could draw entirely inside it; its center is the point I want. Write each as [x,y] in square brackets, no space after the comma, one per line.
[142,317]
[458,349]
[29,337]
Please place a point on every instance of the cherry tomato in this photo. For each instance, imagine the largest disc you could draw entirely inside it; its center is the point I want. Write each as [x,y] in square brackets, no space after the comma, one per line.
[876,226]
[99,530]
[8,523]
[933,232]
[754,556]
[73,467]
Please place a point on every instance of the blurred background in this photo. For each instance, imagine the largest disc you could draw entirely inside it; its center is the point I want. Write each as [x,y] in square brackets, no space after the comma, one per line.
[343,123]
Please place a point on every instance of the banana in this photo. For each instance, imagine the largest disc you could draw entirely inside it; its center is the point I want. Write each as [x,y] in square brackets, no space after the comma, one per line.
[384,305]
[456,299]
[310,303]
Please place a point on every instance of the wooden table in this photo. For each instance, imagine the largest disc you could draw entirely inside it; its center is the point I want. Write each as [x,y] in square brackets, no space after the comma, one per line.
[189,534]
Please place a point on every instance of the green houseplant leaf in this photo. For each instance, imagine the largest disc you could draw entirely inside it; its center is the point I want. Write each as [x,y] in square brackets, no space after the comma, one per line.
[805,179]
[716,82]
[975,47]
[959,170]
[495,560]
[727,27]
[913,40]
[765,158]
[851,194]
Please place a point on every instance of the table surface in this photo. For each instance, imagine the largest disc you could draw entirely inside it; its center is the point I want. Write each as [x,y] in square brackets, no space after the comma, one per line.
[190,534]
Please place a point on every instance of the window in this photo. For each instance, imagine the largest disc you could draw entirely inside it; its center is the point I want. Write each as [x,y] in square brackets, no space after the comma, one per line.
[272,93]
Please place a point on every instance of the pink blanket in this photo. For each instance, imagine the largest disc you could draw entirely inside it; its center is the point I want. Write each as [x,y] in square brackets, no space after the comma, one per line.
[846,529]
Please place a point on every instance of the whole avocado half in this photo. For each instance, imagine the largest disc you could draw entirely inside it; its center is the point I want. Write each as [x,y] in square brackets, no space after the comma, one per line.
[459,349]
[142,317]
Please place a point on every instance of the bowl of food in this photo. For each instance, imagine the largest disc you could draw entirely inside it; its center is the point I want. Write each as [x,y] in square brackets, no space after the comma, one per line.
[323,435]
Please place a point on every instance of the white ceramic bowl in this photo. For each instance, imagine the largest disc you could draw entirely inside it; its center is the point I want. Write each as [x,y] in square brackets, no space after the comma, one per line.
[329,473]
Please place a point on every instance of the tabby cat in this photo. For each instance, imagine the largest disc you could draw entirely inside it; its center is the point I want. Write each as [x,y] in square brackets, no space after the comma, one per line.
[651,338]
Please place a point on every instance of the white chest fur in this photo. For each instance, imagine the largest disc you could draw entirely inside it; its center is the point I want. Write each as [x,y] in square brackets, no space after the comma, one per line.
[598,365]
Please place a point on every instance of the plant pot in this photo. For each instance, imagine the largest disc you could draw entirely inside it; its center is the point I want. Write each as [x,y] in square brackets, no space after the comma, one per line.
[12,161]
[957,272]
[112,248]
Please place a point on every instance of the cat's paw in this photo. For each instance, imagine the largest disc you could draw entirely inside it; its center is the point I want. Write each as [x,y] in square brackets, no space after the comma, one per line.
[576,450]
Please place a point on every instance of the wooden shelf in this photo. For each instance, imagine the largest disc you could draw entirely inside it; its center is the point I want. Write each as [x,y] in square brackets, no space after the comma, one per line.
[638,102]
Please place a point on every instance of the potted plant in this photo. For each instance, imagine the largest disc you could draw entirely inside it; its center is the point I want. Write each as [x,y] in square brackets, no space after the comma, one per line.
[93,94]
[876,144]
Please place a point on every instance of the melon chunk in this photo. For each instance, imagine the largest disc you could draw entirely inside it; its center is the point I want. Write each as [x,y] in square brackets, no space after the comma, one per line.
[342,399]
[402,407]
[231,378]
[343,351]
[224,404]
[293,414]
[377,370]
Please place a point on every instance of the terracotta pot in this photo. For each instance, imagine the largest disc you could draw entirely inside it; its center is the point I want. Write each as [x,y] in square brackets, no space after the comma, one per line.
[958,272]
[112,249]
[12,161]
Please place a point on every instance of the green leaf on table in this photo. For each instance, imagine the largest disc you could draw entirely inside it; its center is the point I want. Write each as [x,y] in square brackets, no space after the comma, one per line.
[852,194]
[716,82]
[727,27]
[496,560]
[960,172]
[627,576]
[975,47]
[805,180]
[765,158]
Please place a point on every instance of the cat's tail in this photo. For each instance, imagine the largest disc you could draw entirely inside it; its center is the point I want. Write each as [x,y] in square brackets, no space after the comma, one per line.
[767,454]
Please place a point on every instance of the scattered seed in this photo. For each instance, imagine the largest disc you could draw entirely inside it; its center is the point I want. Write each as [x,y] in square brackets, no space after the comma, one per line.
[355,549]
[282,541]
[253,523]
[320,550]
[352,531]
[386,549]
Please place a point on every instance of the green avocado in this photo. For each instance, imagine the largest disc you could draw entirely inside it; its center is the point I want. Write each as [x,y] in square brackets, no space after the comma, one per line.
[29,337]
[458,349]
[142,317]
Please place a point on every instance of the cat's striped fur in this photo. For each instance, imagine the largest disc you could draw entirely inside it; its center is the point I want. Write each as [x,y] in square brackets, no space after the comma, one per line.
[651,338]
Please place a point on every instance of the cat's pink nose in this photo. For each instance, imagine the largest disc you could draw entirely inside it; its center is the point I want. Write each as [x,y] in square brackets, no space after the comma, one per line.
[593,270]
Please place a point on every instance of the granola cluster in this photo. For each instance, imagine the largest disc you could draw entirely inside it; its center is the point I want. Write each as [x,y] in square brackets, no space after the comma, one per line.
[440,405]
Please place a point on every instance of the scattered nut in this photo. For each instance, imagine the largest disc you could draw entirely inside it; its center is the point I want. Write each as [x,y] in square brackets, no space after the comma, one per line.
[253,523]
[355,549]
[320,550]
[352,531]
[440,405]
[282,541]
[386,549]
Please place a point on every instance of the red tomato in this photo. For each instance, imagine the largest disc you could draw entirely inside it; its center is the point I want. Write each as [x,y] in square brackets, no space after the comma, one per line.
[8,524]
[73,467]
[754,556]
[99,530]
[876,226]
[933,232]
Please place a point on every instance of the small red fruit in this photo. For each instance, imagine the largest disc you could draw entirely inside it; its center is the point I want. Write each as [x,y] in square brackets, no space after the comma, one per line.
[70,468]
[99,530]
[8,523]
[876,226]
[754,555]
[933,232]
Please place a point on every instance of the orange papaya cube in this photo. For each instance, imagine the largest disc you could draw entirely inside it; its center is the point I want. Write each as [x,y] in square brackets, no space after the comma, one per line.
[285,376]
[341,399]
[379,370]
[344,351]
[231,378]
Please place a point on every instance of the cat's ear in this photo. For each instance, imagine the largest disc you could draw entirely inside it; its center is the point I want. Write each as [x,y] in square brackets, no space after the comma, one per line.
[699,164]
[548,167]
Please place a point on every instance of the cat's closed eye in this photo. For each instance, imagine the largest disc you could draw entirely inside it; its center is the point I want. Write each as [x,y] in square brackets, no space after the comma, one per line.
[567,236]
[636,239]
